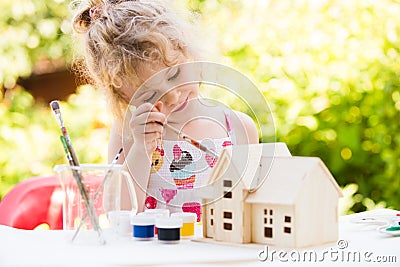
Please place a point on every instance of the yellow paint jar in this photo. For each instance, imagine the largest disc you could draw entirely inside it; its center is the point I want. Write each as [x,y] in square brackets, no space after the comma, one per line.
[189,219]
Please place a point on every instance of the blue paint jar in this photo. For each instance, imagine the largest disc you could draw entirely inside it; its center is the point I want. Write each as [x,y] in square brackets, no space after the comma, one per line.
[143,227]
[155,216]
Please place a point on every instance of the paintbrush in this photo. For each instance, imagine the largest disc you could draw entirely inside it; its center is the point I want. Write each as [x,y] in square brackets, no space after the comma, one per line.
[192,141]
[73,162]
[99,189]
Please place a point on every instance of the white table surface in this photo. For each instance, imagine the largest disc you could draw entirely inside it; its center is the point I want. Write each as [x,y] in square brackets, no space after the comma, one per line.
[50,248]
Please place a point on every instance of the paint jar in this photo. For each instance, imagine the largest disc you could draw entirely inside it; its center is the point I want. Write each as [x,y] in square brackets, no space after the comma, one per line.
[163,212]
[188,219]
[169,229]
[121,222]
[155,216]
[157,213]
[143,227]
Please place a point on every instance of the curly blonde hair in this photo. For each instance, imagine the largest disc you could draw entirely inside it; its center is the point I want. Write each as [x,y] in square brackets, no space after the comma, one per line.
[121,36]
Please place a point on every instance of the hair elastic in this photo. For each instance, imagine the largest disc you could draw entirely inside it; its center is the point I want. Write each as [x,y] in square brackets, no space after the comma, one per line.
[95,12]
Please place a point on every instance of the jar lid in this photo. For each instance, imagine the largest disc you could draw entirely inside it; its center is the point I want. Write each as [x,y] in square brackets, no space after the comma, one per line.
[126,213]
[164,212]
[142,220]
[187,217]
[170,222]
[153,215]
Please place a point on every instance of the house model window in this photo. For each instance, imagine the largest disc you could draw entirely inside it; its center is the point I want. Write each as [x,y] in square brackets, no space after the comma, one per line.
[268,223]
[228,226]
[227,183]
[227,188]
[268,216]
[227,194]
[287,229]
[228,220]
[227,215]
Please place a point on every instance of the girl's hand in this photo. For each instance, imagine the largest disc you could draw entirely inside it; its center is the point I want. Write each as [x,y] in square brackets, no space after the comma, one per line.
[146,125]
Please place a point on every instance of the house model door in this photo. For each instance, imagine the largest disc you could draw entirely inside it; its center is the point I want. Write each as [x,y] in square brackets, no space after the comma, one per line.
[209,220]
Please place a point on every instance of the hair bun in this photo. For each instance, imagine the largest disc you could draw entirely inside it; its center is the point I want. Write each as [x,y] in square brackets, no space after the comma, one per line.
[82,21]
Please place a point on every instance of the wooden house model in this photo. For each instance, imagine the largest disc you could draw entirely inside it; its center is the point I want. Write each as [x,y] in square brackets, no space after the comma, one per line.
[261,194]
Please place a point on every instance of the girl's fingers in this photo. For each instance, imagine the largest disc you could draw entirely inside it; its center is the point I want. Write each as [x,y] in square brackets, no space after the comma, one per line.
[152,117]
[146,107]
[147,124]
[154,127]
[148,140]
[144,120]
[148,113]
[152,137]
[158,106]
[151,140]
[149,128]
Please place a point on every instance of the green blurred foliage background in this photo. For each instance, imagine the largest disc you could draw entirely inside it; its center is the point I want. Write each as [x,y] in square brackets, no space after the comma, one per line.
[329,70]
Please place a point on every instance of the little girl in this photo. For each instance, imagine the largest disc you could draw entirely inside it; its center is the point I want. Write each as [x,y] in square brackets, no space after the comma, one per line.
[143,55]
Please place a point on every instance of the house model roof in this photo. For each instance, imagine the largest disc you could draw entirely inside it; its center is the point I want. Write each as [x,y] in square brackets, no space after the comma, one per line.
[268,172]
[243,162]
[285,179]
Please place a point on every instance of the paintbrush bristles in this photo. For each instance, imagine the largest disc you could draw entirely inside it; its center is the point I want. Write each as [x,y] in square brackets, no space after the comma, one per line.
[54,105]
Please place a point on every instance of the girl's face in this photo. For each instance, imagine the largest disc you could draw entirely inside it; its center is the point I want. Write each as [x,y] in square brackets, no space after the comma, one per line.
[173,86]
